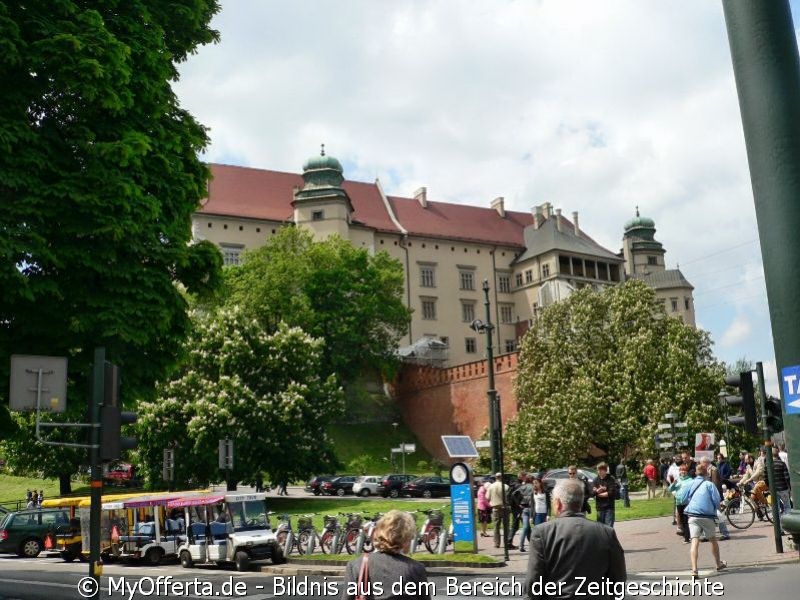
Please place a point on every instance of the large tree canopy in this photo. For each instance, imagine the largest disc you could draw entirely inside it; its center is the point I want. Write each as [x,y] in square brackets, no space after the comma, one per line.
[263,391]
[99,176]
[350,298]
[603,369]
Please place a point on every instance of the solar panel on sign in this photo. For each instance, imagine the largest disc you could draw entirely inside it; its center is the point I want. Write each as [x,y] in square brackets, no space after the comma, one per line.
[459,446]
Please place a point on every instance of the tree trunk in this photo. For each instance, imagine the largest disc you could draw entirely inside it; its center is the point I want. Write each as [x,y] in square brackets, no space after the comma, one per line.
[64,484]
[231,485]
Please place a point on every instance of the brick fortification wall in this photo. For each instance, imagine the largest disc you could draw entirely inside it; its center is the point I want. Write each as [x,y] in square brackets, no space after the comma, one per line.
[436,402]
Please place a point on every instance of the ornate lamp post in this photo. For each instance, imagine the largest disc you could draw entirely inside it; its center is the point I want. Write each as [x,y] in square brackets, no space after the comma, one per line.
[495,421]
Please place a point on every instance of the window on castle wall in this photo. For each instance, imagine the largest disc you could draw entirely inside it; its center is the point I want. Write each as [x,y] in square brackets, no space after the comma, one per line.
[506,313]
[686,303]
[317,215]
[529,276]
[466,280]
[470,345]
[429,309]
[674,303]
[511,346]
[231,254]
[652,260]
[518,279]
[467,312]
[504,284]
[545,271]
[427,277]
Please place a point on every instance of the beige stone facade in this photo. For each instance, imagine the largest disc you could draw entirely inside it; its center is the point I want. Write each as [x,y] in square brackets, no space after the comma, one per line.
[447,250]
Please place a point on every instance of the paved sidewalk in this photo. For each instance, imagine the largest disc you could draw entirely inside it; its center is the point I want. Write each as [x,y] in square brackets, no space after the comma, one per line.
[652,546]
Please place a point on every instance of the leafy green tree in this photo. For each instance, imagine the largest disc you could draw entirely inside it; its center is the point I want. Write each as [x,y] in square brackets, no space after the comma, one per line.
[601,370]
[99,177]
[360,464]
[350,298]
[262,390]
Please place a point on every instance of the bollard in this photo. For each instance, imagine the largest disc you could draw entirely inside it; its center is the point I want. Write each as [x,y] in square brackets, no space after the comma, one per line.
[442,545]
[310,546]
[288,543]
[414,543]
[360,542]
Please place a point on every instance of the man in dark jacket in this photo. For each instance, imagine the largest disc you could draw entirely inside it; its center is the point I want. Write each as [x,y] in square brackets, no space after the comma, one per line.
[782,484]
[604,491]
[572,556]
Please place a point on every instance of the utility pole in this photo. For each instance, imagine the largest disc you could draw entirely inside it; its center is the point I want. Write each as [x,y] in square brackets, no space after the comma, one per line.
[766,67]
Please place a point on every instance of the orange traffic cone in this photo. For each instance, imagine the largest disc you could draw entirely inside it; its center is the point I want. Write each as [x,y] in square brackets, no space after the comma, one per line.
[48,541]
[115,535]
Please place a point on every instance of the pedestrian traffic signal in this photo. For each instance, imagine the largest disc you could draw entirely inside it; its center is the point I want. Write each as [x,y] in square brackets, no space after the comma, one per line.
[774,412]
[112,418]
[746,400]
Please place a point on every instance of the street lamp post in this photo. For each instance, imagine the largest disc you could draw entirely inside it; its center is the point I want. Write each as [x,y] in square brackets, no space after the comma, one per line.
[495,420]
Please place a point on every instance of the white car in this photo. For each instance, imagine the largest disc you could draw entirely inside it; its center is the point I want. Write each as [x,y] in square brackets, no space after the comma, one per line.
[366,485]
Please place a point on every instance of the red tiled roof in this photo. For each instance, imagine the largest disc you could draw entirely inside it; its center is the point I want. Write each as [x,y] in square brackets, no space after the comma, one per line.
[260,194]
[459,221]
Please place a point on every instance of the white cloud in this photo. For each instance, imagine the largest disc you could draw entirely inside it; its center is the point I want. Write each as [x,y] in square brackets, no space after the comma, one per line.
[595,106]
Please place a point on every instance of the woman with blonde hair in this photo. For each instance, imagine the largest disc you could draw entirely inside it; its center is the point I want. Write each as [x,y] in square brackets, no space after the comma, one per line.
[388,572]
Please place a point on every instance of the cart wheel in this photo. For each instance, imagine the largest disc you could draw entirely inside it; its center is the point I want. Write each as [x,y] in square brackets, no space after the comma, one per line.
[186,560]
[242,560]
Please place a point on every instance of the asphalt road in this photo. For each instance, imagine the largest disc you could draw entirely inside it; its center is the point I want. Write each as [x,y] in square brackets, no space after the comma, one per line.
[51,579]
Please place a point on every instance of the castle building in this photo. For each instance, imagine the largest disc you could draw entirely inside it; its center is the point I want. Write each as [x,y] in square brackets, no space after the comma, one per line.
[529,260]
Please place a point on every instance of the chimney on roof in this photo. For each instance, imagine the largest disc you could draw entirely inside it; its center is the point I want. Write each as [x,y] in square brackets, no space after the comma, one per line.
[499,205]
[546,209]
[537,217]
[558,219]
[575,222]
[421,196]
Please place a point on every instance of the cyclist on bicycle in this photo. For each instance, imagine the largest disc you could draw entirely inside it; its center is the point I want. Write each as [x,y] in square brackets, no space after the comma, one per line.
[753,479]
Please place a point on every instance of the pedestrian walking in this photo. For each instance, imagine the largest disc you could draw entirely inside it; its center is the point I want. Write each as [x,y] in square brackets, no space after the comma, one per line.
[677,489]
[496,497]
[604,490]
[570,551]
[484,509]
[783,486]
[621,473]
[651,478]
[526,501]
[715,477]
[702,503]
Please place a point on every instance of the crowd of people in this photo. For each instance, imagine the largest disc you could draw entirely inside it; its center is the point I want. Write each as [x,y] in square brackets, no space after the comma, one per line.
[34,499]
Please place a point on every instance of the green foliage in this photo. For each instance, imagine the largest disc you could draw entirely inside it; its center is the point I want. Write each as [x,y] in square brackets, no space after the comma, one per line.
[602,369]
[335,291]
[376,440]
[99,177]
[360,464]
[262,390]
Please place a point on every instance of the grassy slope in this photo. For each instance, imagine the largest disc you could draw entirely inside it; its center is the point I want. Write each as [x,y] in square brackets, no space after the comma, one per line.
[13,488]
[376,440]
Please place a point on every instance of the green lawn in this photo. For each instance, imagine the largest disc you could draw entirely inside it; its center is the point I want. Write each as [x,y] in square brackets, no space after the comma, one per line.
[13,488]
[644,509]
[376,440]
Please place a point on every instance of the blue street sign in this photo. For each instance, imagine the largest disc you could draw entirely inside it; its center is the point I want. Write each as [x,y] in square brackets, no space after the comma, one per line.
[463,513]
[790,378]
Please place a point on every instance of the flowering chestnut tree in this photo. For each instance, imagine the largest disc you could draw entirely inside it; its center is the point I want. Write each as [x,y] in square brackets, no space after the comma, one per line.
[262,390]
[598,371]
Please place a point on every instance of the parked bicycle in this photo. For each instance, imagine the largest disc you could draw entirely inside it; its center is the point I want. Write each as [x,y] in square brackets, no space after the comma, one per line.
[298,539]
[352,532]
[331,541]
[369,531]
[430,530]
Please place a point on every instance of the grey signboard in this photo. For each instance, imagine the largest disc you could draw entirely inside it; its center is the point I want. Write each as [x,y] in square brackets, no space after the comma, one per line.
[41,379]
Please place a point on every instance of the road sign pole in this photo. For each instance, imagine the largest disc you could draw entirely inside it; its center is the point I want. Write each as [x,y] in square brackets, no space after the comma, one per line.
[776,519]
[98,392]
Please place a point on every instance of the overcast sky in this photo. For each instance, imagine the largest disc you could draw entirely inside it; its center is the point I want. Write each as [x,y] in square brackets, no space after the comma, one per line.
[595,106]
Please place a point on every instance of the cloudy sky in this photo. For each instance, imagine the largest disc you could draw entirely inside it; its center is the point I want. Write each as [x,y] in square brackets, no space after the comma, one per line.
[595,106]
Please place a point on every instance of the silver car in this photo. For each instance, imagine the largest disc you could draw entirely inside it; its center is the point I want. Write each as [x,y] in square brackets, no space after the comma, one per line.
[366,485]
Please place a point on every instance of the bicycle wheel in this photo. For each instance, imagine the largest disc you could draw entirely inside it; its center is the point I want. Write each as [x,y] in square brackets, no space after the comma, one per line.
[351,540]
[302,542]
[326,542]
[767,507]
[431,539]
[740,513]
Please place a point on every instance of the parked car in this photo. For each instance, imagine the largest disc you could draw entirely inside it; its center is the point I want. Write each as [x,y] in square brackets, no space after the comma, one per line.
[427,487]
[23,532]
[313,485]
[366,485]
[339,485]
[553,475]
[391,485]
[479,480]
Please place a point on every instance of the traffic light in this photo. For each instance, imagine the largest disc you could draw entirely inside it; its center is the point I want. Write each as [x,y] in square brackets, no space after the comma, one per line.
[744,385]
[112,418]
[774,411]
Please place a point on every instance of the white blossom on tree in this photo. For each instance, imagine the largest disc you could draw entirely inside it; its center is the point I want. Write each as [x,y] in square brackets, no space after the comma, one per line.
[263,391]
[598,371]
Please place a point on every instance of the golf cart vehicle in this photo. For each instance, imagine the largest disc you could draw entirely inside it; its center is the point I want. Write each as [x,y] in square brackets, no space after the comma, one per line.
[145,532]
[226,528]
